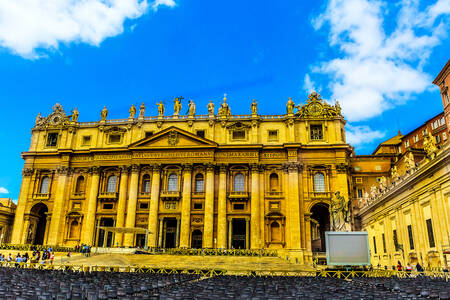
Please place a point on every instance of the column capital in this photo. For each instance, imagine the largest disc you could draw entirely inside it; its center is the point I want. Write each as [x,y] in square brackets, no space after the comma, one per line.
[157,167]
[341,168]
[187,167]
[94,170]
[308,217]
[292,167]
[223,168]
[124,169]
[27,171]
[262,168]
[135,168]
[63,170]
[254,168]
[210,167]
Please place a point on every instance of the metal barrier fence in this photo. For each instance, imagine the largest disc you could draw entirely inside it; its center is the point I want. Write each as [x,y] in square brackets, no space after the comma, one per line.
[29,247]
[215,252]
[218,272]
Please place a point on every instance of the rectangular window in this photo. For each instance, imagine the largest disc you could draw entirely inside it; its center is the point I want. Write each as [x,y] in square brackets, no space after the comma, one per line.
[273,135]
[384,242]
[394,235]
[374,245]
[406,143]
[316,132]
[239,135]
[360,193]
[410,236]
[143,205]
[238,206]
[148,134]
[198,206]
[52,139]
[108,206]
[201,133]
[416,138]
[114,138]
[86,140]
[438,139]
[358,179]
[444,136]
[430,233]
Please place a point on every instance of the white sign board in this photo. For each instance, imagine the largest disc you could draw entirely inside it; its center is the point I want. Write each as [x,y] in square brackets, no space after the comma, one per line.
[347,248]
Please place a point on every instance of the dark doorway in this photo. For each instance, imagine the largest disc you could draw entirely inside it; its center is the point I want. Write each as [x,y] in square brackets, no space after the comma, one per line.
[319,224]
[105,241]
[196,239]
[40,211]
[238,234]
[140,240]
[170,233]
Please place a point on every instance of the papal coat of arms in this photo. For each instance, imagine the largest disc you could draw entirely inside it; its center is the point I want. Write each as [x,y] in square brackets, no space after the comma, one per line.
[173,138]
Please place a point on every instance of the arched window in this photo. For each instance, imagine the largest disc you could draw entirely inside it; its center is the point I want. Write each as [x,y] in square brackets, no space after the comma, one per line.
[74,229]
[45,183]
[199,183]
[146,183]
[172,184]
[319,183]
[275,232]
[239,182]
[79,188]
[111,186]
[273,179]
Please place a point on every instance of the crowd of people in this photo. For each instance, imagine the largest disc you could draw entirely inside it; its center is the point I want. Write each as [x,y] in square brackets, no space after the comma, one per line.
[83,249]
[47,256]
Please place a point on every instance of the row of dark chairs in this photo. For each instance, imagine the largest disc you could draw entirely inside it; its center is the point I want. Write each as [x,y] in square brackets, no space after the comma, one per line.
[31,284]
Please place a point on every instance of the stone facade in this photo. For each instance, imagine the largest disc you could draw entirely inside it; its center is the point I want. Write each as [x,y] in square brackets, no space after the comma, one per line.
[212,181]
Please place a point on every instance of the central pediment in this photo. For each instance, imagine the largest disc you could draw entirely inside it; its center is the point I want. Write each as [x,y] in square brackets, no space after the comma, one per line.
[173,137]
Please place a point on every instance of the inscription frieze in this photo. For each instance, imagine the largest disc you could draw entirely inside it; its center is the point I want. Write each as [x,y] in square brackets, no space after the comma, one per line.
[174,154]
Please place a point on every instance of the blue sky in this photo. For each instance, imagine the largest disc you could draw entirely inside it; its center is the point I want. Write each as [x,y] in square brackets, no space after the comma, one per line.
[377,58]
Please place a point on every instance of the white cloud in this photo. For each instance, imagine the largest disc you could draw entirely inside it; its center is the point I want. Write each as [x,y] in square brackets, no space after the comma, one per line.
[375,71]
[361,135]
[308,84]
[3,190]
[30,28]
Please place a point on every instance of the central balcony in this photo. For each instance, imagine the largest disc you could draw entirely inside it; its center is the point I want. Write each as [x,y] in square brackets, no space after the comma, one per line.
[108,196]
[238,196]
[170,195]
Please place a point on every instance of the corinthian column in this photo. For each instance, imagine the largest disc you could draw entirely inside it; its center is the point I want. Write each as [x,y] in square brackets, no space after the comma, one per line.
[186,206]
[56,225]
[294,206]
[254,221]
[121,203]
[222,209]
[89,221]
[209,208]
[154,202]
[132,201]
[20,210]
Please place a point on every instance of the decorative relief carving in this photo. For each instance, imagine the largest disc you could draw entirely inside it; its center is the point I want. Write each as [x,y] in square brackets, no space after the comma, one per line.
[27,171]
[57,118]
[173,138]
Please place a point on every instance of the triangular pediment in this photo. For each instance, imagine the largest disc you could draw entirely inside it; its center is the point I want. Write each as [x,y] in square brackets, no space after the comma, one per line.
[173,137]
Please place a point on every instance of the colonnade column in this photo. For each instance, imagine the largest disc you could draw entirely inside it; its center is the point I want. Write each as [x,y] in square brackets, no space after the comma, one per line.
[56,226]
[186,206]
[18,227]
[230,232]
[132,202]
[121,203]
[209,208]
[154,202]
[308,232]
[222,209]
[89,223]
[293,206]
[254,220]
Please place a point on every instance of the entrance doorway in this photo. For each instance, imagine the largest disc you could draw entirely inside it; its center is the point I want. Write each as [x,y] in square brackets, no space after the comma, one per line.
[170,232]
[196,241]
[140,240]
[105,241]
[40,211]
[320,222]
[238,234]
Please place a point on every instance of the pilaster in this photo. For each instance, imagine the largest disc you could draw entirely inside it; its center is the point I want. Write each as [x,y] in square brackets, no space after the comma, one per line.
[254,221]
[123,188]
[132,202]
[18,227]
[186,206]
[89,221]
[154,202]
[209,208]
[222,209]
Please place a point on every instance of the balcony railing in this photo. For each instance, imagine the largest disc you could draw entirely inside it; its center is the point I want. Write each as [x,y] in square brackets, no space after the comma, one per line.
[320,195]
[108,195]
[41,196]
[274,194]
[198,195]
[170,194]
[79,195]
[145,194]
[238,195]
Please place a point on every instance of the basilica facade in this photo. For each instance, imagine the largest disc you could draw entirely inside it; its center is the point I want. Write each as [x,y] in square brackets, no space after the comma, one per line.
[220,180]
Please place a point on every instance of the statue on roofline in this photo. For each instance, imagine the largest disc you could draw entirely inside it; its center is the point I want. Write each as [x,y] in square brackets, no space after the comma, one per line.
[224,109]
[210,108]
[409,162]
[429,145]
[160,108]
[394,174]
[141,111]
[132,111]
[104,113]
[177,106]
[254,107]
[39,120]
[191,108]
[290,106]
[75,114]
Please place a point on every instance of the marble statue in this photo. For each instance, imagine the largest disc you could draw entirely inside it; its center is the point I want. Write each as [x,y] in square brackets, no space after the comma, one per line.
[141,111]
[75,114]
[429,146]
[340,213]
[191,108]
[290,106]
[160,108]
[132,111]
[104,113]
[254,107]
[409,162]
[177,106]
[210,108]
